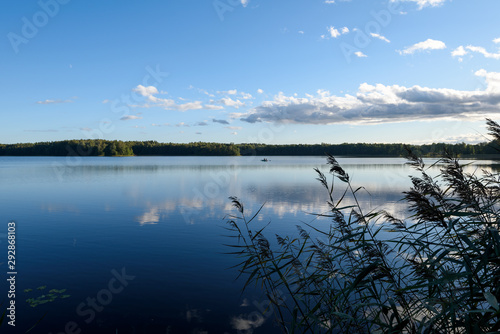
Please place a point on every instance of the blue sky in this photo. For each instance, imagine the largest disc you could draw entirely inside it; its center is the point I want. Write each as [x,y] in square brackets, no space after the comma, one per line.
[276,72]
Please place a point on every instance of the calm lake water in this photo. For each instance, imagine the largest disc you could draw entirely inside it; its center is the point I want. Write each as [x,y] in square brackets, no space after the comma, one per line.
[137,242]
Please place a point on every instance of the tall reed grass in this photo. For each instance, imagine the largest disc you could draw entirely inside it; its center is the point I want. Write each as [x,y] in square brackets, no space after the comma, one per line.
[436,271]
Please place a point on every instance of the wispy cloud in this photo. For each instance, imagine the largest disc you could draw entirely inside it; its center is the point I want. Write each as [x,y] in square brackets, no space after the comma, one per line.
[429,44]
[220,121]
[360,54]
[228,92]
[54,101]
[462,51]
[381,104]
[330,2]
[212,107]
[483,51]
[424,3]
[130,117]
[227,101]
[382,38]
[235,92]
[168,104]
[49,130]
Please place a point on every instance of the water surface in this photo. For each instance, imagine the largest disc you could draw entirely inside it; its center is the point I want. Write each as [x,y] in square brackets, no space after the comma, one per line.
[159,221]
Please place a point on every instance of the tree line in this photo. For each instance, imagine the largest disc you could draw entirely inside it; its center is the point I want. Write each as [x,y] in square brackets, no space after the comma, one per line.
[99,147]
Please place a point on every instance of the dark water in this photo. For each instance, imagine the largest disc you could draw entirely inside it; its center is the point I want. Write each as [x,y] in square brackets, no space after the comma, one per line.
[138,242]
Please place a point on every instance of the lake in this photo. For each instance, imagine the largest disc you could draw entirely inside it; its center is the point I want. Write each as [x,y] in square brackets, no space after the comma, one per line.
[136,244]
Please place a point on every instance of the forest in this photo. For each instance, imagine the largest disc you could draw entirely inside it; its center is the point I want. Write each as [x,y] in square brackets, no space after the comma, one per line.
[99,147]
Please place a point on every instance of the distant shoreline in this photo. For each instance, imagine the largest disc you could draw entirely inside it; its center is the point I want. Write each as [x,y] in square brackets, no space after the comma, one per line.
[152,148]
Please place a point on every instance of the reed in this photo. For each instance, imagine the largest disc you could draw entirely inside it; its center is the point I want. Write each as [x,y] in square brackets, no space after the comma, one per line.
[435,271]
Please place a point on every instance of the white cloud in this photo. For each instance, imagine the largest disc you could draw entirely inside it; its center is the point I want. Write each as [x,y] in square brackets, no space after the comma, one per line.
[334,32]
[54,101]
[129,117]
[227,101]
[246,96]
[483,51]
[188,106]
[234,127]
[260,91]
[360,54]
[496,40]
[212,107]
[429,44]
[167,104]
[459,52]
[333,1]
[424,3]
[381,104]
[382,38]
[243,95]
[145,91]
[244,3]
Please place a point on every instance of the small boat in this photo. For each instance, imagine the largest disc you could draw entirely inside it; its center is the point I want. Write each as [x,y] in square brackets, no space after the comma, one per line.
[265,160]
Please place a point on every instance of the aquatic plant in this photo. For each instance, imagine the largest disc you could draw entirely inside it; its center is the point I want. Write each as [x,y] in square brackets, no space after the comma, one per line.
[436,271]
[45,298]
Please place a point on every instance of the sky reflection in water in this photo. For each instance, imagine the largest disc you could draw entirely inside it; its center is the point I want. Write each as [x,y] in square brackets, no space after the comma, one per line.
[161,219]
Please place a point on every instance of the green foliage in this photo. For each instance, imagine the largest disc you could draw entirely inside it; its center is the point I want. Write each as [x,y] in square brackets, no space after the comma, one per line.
[100,147]
[365,149]
[191,149]
[45,298]
[117,148]
[438,271]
